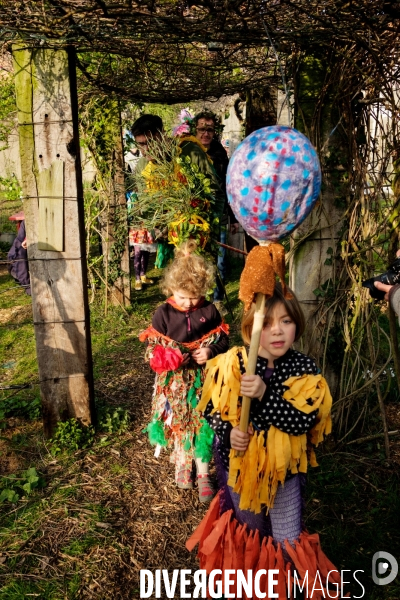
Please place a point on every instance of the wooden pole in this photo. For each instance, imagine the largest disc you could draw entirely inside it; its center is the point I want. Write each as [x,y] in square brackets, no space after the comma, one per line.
[258,323]
[45,82]
[122,286]
[114,222]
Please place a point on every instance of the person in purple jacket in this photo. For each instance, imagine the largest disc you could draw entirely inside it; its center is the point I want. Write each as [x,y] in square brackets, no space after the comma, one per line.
[18,260]
[186,331]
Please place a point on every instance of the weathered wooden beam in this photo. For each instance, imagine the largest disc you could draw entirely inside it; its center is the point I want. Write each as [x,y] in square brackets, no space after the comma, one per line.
[121,293]
[312,264]
[53,205]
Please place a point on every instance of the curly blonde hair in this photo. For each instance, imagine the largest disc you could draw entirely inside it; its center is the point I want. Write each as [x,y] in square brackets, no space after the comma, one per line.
[189,272]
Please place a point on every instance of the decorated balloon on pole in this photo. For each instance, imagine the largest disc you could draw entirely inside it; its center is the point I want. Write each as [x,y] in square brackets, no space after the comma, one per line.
[273,182]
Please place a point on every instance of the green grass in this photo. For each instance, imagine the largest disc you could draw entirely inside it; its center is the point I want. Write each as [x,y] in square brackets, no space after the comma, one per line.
[21,590]
[18,364]
[81,545]
[353,502]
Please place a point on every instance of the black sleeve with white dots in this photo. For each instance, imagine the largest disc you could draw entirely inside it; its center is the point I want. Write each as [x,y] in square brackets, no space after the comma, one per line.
[273,409]
[221,428]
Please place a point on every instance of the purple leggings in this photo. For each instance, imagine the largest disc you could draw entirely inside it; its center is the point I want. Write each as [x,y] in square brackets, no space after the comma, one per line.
[141,261]
[284,521]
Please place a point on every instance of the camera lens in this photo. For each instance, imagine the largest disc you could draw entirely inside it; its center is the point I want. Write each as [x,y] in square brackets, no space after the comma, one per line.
[373,291]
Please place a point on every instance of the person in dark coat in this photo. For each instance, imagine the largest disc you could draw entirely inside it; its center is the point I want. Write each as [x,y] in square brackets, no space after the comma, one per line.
[18,260]
[207,127]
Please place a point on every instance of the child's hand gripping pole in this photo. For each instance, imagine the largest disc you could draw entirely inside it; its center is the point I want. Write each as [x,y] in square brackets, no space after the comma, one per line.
[258,324]
[258,282]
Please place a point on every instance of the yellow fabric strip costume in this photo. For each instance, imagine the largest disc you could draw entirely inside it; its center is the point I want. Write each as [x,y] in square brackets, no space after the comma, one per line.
[255,476]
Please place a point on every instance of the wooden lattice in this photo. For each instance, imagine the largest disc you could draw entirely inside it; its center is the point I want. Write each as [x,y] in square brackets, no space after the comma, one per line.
[175,51]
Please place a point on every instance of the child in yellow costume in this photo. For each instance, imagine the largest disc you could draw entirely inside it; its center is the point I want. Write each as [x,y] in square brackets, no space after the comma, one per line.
[255,521]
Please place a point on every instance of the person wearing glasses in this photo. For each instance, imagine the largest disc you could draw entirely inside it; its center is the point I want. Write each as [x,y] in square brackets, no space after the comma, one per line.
[207,128]
[199,155]
[150,127]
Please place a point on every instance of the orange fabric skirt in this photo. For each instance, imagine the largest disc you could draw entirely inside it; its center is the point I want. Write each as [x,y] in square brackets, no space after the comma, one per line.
[226,544]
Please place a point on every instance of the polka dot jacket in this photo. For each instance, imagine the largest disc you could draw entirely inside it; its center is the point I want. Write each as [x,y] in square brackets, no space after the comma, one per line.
[273,409]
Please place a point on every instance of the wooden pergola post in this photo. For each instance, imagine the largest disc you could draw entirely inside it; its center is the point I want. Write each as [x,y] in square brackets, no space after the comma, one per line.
[122,286]
[114,222]
[45,81]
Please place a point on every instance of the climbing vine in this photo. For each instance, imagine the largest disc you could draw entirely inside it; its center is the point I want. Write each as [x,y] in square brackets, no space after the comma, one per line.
[106,216]
[351,115]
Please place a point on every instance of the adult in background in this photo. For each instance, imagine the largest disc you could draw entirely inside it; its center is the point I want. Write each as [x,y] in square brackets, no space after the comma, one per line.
[150,127]
[207,130]
[144,129]
[18,259]
[197,151]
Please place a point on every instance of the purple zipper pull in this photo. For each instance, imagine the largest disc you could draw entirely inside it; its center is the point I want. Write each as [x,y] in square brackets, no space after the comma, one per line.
[188,322]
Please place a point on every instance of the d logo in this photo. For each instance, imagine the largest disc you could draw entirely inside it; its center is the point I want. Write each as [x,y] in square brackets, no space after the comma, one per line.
[383,562]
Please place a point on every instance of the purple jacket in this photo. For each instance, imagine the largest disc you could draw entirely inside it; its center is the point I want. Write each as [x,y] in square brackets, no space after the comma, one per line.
[18,258]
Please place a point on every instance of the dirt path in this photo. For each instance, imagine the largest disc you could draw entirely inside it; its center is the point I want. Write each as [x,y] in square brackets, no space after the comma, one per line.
[113,510]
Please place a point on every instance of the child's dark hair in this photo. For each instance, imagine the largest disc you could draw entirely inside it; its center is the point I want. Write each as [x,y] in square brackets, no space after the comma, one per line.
[292,306]
[147,124]
[188,272]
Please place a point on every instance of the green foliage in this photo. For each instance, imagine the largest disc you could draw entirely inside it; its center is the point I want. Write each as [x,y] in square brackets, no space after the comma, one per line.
[175,196]
[117,247]
[168,113]
[70,436]
[10,188]
[4,248]
[8,109]
[13,487]
[329,261]
[105,218]
[80,546]
[113,420]
[100,123]
[312,74]
[10,201]
[19,406]
[326,290]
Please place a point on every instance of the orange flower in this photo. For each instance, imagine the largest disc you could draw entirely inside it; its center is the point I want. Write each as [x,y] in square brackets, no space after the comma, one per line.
[180,177]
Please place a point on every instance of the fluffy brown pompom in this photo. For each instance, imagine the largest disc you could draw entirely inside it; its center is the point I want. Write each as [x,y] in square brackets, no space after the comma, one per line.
[258,275]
